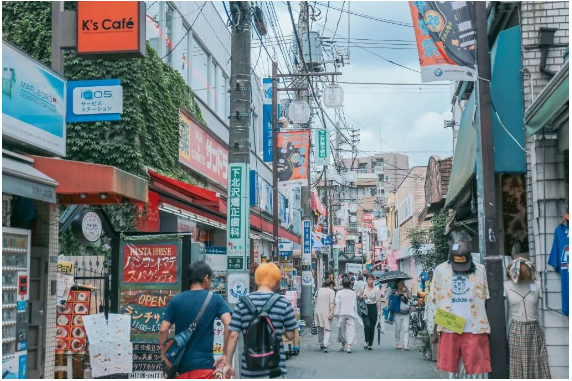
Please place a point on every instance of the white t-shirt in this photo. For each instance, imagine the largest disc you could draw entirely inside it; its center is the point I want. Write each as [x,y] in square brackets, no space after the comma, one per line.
[462,299]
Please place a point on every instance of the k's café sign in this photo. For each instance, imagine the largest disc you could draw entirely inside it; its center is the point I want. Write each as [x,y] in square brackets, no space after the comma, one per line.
[111,28]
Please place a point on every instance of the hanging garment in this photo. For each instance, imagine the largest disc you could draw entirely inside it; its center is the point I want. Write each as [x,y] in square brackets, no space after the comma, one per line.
[559,260]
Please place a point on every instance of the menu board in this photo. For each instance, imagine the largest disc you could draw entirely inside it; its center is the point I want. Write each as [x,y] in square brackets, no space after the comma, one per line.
[147,361]
[70,331]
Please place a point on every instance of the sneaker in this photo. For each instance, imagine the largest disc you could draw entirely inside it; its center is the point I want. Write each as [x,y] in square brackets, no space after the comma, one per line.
[322,347]
[349,350]
[342,349]
[326,350]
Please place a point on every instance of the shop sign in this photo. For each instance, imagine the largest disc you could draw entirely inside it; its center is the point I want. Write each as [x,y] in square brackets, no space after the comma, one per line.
[238,285]
[368,225]
[382,233]
[146,309]
[186,225]
[326,249]
[368,217]
[378,253]
[201,152]
[111,29]
[94,101]
[215,257]
[405,210]
[151,222]
[358,249]
[267,151]
[147,360]
[238,225]
[91,226]
[307,242]
[339,237]
[33,103]
[285,246]
[294,156]
[322,144]
[260,192]
[149,264]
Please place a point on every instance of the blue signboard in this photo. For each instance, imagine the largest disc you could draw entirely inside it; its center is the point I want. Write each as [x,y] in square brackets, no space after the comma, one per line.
[215,250]
[267,120]
[261,195]
[94,101]
[307,237]
[33,102]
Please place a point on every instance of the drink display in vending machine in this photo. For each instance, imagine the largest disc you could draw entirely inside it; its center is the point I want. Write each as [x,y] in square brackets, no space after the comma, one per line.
[15,277]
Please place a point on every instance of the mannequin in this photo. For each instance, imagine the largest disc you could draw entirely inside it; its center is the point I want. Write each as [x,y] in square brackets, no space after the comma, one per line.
[527,348]
[459,286]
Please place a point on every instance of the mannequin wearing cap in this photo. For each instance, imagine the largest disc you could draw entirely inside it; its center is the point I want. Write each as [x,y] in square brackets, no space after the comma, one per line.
[527,348]
[459,286]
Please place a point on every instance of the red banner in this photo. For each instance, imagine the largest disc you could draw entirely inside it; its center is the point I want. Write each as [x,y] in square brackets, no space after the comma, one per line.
[149,222]
[201,152]
[150,264]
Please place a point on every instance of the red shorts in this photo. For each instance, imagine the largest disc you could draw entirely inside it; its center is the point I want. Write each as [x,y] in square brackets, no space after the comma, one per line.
[473,348]
[200,374]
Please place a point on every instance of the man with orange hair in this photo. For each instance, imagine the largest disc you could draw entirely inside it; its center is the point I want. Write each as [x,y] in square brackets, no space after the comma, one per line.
[267,278]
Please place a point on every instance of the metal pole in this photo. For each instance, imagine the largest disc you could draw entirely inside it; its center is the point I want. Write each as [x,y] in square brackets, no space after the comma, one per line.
[57,51]
[275,222]
[487,202]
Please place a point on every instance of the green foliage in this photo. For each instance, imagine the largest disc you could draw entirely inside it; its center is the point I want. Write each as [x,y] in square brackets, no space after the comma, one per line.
[147,134]
[424,341]
[429,259]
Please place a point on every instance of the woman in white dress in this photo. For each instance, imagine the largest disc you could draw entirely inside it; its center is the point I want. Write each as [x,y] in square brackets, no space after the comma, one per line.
[324,313]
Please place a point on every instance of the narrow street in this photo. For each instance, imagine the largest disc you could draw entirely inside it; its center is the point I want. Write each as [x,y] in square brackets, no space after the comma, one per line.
[383,362]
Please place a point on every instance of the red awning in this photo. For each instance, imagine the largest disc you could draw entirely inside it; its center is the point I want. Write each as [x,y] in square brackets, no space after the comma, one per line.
[197,195]
[91,184]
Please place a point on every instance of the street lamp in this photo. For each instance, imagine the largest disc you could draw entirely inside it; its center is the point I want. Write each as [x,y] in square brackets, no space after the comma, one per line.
[333,96]
[299,112]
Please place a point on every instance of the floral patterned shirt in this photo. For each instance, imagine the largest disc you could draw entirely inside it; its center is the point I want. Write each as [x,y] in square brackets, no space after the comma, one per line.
[441,295]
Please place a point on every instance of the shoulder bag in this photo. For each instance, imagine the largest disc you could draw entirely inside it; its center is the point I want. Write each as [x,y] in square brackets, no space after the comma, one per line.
[361,305]
[176,346]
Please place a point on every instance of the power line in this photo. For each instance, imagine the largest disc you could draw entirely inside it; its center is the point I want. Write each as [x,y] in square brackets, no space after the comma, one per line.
[186,34]
[388,21]
[393,84]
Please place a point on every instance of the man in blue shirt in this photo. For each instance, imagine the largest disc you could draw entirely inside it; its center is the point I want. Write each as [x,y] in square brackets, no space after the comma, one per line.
[198,361]
[559,260]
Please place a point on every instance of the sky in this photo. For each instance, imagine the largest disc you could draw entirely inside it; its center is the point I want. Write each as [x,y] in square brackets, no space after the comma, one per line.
[406,119]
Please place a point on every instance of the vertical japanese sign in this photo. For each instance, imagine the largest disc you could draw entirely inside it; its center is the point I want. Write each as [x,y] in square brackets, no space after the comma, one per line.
[238,217]
[149,276]
[321,141]
[306,252]
[446,39]
[267,120]
[293,158]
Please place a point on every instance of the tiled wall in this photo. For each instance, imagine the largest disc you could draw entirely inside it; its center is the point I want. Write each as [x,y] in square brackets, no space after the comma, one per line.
[545,171]
[47,235]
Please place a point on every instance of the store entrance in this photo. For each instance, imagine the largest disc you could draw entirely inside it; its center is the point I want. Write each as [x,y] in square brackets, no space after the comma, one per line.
[37,313]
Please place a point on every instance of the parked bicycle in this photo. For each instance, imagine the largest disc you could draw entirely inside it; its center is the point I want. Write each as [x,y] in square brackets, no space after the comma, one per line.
[416,322]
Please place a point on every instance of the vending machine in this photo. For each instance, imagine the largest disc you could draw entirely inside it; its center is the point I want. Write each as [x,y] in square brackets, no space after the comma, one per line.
[15,274]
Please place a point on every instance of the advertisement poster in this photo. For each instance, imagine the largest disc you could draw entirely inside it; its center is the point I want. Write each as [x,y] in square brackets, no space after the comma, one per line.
[321,147]
[293,158]
[150,264]
[267,119]
[70,331]
[238,218]
[358,250]
[339,237]
[446,39]
[33,102]
[201,151]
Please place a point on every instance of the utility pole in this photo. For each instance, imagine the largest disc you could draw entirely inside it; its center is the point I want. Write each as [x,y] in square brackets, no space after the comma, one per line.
[238,213]
[487,202]
[307,308]
[275,225]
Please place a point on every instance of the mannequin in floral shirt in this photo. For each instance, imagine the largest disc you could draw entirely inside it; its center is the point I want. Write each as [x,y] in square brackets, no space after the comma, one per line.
[459,286]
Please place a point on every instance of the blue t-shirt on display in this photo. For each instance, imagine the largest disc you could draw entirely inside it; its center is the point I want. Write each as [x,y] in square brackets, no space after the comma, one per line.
[182,311]
[559,260]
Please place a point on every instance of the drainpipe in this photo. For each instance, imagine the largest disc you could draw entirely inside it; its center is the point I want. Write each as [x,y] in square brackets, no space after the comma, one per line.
[545,41]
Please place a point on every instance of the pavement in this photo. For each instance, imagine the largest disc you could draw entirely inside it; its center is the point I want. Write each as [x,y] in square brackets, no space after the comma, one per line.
[384,361]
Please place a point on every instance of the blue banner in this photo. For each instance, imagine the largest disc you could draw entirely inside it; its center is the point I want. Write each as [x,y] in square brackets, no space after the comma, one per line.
[267,145]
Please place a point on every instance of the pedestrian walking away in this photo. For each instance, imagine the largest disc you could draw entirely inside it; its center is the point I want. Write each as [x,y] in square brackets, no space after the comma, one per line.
[401,315]
[324,313]
[346,309]
[267,278]
[372,297]
[359,283]
[198,360]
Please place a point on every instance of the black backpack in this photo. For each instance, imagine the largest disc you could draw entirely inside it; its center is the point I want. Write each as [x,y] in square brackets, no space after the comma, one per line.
[261,344]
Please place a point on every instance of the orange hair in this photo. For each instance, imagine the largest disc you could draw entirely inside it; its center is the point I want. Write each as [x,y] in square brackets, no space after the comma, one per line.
[268,274]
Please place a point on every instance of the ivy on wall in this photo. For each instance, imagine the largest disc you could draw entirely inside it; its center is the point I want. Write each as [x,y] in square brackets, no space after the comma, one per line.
[147,134]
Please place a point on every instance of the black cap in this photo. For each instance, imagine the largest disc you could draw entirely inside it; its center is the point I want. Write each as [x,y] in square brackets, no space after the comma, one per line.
[460,257]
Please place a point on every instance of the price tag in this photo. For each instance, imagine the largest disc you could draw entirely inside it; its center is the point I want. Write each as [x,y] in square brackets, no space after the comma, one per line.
[449,321]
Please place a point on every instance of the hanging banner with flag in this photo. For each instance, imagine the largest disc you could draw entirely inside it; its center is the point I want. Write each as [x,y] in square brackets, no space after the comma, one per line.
[446,39]
[293,158]
[267,119]
[321,147]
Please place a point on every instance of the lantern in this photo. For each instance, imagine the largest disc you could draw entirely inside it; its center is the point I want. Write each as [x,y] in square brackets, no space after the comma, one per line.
[299,112]
[333,96]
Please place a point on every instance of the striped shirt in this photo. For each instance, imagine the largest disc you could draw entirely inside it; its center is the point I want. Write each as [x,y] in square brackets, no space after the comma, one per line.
[282,316]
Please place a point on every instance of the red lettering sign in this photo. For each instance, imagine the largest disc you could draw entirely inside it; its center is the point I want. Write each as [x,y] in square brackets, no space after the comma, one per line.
[149,264]
[368,217]
[201,152]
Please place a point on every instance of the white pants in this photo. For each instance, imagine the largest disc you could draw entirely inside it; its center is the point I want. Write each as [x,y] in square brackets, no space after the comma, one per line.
[347,330]
[324,336]
[402,325]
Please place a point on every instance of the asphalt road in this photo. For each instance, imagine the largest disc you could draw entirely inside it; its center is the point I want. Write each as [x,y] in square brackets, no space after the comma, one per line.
[384,361]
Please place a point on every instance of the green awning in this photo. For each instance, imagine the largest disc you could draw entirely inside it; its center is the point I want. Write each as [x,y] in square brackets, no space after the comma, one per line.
[465,152]
[551,102]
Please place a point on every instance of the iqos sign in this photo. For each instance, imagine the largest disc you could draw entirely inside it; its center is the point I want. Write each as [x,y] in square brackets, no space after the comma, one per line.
[94,101]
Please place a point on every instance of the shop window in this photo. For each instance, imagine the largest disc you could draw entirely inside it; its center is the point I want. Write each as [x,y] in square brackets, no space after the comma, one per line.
[221,95]
[199,78]
[169,34]
[153,29]
[213,68]
[362,168]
